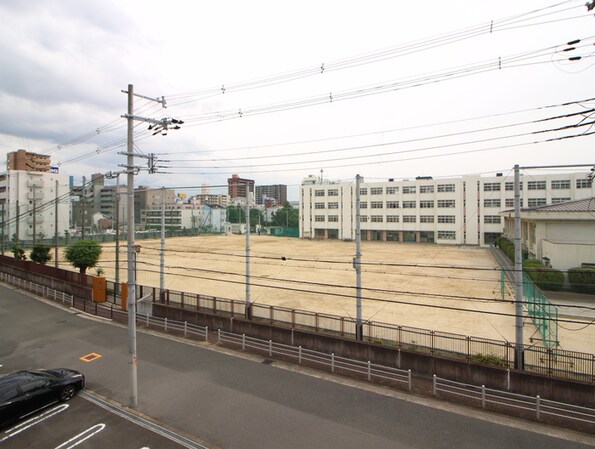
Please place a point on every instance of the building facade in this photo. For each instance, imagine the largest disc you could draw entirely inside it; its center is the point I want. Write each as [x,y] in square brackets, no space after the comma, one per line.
[202,217]
[34,205]
[237,187]
[26,161]
[464,210]
[278,192]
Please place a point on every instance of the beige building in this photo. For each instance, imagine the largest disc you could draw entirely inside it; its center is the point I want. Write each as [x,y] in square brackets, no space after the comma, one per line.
[26,161]
[559,235]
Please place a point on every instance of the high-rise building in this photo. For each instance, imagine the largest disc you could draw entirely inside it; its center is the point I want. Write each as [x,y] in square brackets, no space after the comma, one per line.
[278,192]
[236,186]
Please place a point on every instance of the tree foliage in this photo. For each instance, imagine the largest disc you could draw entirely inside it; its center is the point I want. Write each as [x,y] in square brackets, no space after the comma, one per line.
[18,252]
[40,254]
[83,254]
[287,216]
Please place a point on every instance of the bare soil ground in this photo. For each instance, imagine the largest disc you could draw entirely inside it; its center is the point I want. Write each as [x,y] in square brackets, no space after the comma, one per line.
[418,285]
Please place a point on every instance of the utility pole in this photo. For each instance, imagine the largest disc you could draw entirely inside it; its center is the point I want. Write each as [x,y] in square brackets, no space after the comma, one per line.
[2,236]
[34,215]
[357,261]
[117,286]
[56,227]
[248,303]
[131,261]
[158,127]
[83,208]
[518,274]
[162,258]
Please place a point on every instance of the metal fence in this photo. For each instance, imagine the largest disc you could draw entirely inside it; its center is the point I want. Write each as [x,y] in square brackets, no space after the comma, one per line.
[543,314]
[529,406]
[336,364]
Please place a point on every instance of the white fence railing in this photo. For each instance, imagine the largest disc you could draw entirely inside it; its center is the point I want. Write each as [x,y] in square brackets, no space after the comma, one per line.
[335,363]
[489,398]
[46,292]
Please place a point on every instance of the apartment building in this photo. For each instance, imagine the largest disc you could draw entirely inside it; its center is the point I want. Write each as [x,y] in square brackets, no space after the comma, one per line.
[34,205]
[26,161]
[463,210]
[278,192]
[238,187]
[206,218]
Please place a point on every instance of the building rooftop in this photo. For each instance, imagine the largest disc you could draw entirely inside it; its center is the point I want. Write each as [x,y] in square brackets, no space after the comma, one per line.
[584,205]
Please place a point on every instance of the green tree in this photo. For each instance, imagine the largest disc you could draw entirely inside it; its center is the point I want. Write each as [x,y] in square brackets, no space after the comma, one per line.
[19,253]
[287,216]
[40,254]
[83,254]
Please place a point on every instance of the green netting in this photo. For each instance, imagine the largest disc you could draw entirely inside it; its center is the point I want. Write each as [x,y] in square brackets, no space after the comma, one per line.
[542,312]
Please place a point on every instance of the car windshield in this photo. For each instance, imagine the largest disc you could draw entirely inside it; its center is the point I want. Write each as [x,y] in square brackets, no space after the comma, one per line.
[43,374]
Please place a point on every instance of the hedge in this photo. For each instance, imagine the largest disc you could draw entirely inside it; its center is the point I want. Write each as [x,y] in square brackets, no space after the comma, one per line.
[582,279]
[544,277]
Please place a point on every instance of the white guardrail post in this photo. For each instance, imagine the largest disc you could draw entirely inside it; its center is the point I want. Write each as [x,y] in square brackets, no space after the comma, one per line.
[218,336]
[537,407]
[483,396]
[270,348]
[333,362]
[185,328]
[243,342]
[369,370]
[434,385]
[299,355]
[409,379]
[165,325]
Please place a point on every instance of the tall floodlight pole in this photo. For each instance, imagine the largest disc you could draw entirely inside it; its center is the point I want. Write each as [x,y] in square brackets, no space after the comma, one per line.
[248,304]
[131,260]
[359,334]
[162,258]
[518,274]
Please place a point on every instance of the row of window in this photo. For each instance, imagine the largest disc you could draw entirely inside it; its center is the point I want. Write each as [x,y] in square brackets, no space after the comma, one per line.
[487,219]
[391,190]
[556,184]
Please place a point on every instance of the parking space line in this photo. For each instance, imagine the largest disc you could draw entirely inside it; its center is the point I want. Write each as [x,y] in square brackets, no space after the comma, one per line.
[90,357]
[31,422]
[82,437]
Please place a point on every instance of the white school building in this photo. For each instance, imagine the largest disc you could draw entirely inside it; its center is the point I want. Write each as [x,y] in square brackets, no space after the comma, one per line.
[463,210]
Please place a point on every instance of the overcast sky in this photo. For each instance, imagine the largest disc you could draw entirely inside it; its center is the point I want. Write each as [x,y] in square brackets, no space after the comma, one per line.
[341,86]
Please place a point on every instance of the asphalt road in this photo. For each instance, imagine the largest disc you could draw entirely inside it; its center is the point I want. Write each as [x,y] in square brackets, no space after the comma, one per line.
[235,402]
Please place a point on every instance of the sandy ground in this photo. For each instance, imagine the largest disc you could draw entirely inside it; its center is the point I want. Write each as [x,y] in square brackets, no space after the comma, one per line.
[319,276]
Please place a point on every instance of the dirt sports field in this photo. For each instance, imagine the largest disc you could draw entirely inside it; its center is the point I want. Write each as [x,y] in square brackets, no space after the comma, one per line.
[215,266]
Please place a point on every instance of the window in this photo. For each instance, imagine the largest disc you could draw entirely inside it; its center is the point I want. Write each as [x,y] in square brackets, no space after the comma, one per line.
[583,183]
[363,191]
[446,203]
[447,235]
[426,219]
[426,189]
[377,219]
[363,218]
[391,190]
[409,205]
[426,204]
[333,218]
[446,187]
[333,205]
[491,187]
[333,192]
[491,219]
[535,202]
[536,185]
[318,205]
[561,184]
[318,192]
[510,186]
[489,202]
[510,202]
[392,204]
[446,218]
[559,200]
[409,219]
[392,218]
[376,191]
[319,218]
[376,204]
[408,189]
[363,204]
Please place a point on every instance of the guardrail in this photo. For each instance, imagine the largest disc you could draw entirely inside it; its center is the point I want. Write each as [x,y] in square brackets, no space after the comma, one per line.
[46,292]
[536,407]
[336,364]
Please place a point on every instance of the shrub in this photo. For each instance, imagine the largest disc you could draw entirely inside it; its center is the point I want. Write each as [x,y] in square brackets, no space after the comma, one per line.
[582,279]
[544,277]
[488,359]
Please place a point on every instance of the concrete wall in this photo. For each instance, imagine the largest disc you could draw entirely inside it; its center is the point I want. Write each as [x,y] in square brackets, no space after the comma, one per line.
[568,255]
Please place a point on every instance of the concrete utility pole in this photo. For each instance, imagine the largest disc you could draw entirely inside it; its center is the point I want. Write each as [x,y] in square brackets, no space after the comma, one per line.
[56,237]
[117,286]
[248,303]
[2,235]
[83,208]
[359,334]
[131,260]
[518,274]
[34,215]
[162,258]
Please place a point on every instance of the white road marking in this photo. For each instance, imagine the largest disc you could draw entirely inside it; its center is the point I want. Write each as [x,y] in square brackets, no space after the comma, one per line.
[78,439]
[35,420]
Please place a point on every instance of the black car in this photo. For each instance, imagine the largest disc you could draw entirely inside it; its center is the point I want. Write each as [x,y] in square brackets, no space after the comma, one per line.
[24,392]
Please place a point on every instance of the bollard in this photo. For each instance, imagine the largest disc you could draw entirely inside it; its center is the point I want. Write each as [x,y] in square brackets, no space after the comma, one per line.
[165,325]
[299,355]
[218,336]
[369,370]
[483,396]
[538,407]
[185,328]
[333,362]
[409,379]
[270,348]
[243,342]
[434,385]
